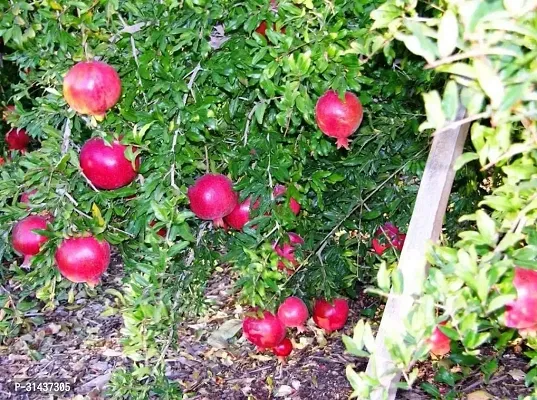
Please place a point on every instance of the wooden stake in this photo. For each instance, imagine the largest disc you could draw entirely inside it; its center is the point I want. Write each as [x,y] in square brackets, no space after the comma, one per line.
[425,226]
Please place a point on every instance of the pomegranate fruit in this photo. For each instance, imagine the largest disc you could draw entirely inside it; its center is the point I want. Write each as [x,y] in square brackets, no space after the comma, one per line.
[264,332]
[25,241]
[17,139]
[262,28]
[330,316]
[294,205]
[439,342]
[283,349]
[25,197]
[287,251]
[240,214]
[212,198]
[92,88]
[83,259]
[293,313]
[2,161]
[386,237]
[106,166]
[521,313]
[338,119]
[161,232]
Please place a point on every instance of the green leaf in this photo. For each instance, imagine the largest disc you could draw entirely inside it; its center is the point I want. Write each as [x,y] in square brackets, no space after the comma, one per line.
[450,102]
[486,227]
[465,159]
[260,112]
[433,109]
[500,301]
[448,33]
[383,277]
[490,82]
[421,46]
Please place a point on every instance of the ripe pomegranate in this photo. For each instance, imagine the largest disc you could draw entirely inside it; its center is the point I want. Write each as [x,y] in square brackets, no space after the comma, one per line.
[439,342]
[338,119]
[106,166]
[25,241]
[25,197]
[7,110]
[92,88]
[262,28]
[265,332]
[293,313]
[294,205]
[287,251]
[212,198]
[283,349]
[521,313]
[161,232]
[83,259]
[386,237]
[2,161]
[330,316]
[17,139]
[240,214]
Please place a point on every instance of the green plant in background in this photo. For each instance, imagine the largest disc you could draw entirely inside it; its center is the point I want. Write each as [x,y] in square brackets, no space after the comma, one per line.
[487,51]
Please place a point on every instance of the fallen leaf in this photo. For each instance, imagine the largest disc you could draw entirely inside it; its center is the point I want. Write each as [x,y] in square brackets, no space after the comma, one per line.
[112,353]
[517,374]
[52,329]
[480,395]
[295,384]
[260,357]
[226,331]
[303,342]
[283,391]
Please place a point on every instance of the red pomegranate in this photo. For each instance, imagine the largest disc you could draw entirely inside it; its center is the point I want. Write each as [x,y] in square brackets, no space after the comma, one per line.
[287,251]
[294,206]
[262,28]
[240,214]
[25,241]
[293,313]
[439,342]
[264,332]
[330,316]
[2,161]
[83,259]
[92,88]
[106,166]
[161,232]
[17,139]
[386,237]
[283,349]
[7,110]
[25,197]
[338,119]
[521,313]
[212,198]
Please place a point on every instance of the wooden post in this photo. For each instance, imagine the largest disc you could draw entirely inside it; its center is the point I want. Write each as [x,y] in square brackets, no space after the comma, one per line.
[425,226]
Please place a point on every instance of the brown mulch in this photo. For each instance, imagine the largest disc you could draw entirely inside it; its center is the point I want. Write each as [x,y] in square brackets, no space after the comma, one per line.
[77,343]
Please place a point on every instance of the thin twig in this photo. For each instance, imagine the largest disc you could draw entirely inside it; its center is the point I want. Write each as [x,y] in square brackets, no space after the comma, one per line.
[471,54]
[193,75]
[66,136]
[455,124]
[89,182]
[248,122]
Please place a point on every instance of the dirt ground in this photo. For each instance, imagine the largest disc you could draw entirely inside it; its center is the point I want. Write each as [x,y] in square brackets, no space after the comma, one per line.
[78,344]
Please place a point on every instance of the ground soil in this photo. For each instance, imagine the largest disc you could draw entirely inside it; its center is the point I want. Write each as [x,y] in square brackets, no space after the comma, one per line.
[79,344]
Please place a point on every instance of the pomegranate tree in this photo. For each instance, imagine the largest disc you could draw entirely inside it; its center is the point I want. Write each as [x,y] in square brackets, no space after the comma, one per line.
[521,313]
[83,259]
[293,313]
[25,241]
[283,349]
[17,139]
[240,214]
[330,316]
[439,342]
[92,88]
[338,119]
[266,331]
[106,165]
[212,198]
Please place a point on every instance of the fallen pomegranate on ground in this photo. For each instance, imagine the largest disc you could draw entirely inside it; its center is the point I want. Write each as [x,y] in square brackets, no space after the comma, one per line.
[25,241]
[212,198]
[294,206]
[265,331]
[386,237]
[439,342]
[283,349]
[521,313]
[293,313]
[338,119]
[330,316]
[17,139]
[92,88]
[240,214]
[83,259]
[106,165]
